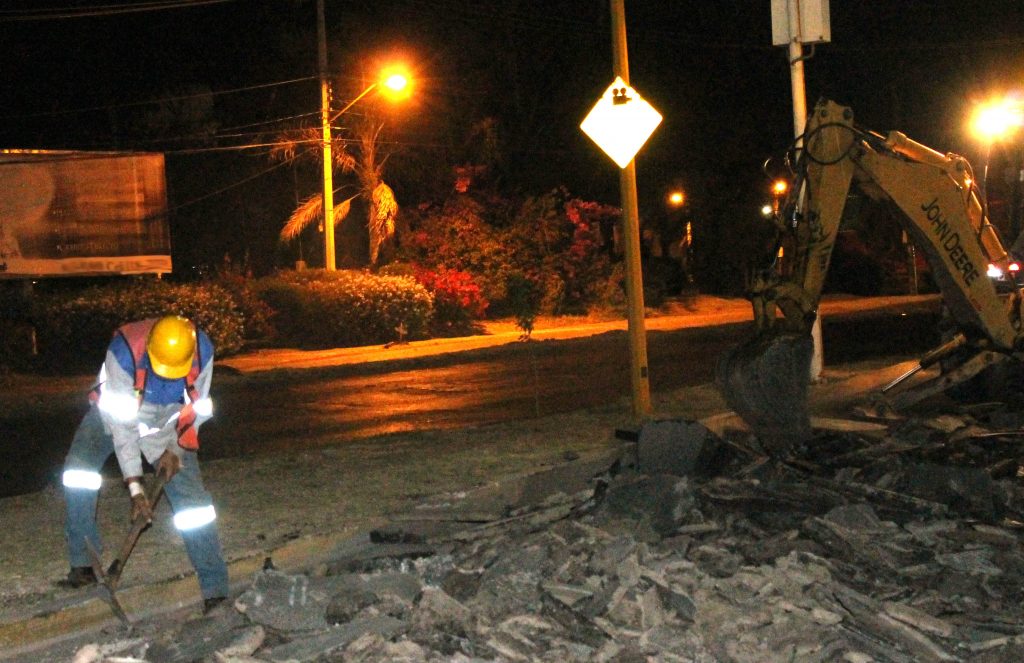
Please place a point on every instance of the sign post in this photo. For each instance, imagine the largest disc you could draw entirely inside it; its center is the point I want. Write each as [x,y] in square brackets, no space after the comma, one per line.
[620,123]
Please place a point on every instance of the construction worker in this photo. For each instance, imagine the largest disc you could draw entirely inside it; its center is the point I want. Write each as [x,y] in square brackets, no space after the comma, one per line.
[152,395]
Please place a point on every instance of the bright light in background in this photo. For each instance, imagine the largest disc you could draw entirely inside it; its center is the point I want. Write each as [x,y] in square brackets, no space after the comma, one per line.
[395,83]
[995,273]
[767,210]
[998,119]
[676,198]
[779,187]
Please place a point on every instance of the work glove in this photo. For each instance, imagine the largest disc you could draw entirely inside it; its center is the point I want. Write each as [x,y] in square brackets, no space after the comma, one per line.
[168,465]
[140,505]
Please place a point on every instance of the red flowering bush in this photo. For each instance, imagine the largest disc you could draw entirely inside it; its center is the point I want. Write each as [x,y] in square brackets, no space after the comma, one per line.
[559,243]
[458,300]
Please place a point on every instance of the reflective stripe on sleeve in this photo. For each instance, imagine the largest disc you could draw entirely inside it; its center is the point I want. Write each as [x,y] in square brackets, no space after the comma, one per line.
[193,518]
[203,407]
[121,407]
[82,479]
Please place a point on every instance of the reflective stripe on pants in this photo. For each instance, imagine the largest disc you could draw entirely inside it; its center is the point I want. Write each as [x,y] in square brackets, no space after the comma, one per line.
[90,449]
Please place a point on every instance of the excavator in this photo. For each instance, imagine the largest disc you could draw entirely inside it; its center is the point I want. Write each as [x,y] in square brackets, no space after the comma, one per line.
[936,199]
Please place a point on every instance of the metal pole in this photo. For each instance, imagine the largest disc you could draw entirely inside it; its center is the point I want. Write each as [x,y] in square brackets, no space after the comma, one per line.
[796,80]
[325,117]
[641,391]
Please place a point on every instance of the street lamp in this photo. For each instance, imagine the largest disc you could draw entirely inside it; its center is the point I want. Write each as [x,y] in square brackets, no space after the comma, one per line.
[395,85]
[995,121]
[676,198]
[998,119]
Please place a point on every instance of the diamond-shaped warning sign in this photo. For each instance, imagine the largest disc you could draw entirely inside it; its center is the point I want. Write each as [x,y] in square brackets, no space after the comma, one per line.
[621,122]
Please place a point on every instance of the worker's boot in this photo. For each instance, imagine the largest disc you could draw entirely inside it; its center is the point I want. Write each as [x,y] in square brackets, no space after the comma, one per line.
[211,605]
[80,576]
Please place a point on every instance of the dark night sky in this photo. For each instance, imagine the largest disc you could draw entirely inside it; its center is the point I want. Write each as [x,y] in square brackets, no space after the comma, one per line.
[535,65]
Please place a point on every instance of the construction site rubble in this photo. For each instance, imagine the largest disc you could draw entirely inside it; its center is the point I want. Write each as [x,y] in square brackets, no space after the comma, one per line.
[902,546]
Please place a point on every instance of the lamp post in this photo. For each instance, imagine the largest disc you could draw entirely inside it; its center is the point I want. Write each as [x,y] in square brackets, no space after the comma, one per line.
[325,118]
[992,122]
[394,82]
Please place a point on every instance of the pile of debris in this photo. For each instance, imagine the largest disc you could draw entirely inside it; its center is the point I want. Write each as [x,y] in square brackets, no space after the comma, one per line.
[903,546]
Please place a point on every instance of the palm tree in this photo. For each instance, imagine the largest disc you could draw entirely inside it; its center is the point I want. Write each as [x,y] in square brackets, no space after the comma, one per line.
[366,165]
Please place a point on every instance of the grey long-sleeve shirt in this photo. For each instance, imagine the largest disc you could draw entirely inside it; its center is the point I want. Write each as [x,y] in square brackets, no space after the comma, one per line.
[147,430]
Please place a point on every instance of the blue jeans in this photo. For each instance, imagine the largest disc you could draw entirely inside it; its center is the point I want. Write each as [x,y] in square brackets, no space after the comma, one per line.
[90,449]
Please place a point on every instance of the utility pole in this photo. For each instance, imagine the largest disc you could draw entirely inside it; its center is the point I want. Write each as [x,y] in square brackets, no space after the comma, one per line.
[641,390]
[798,87]
[325,118]
[794,23]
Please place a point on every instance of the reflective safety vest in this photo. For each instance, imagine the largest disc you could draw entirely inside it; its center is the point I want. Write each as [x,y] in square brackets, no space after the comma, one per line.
[135,335]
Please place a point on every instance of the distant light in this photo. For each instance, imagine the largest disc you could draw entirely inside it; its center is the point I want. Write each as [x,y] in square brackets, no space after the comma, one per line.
[998,119]
[780,187]
[676,198]
[767,210]
[1014,267]
[994,272]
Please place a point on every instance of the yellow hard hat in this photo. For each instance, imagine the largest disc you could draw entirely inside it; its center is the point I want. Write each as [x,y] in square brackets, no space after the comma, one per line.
[171,346]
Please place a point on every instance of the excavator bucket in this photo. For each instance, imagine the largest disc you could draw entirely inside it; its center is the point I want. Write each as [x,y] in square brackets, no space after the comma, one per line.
[765,381]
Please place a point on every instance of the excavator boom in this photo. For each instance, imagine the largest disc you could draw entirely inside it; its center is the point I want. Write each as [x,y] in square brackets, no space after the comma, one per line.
[766,379]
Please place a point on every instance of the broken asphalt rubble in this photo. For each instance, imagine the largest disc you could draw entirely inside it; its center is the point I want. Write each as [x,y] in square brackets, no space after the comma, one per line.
[902,546]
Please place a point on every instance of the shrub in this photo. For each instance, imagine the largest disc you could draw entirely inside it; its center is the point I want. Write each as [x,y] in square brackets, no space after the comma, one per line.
[556,241]
[458,300]
[255,312]
[524,301]
[74,327]
[463,235]
[319,309]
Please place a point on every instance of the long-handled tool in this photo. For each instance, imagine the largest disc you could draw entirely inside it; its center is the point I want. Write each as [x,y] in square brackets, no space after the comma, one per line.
[112,575]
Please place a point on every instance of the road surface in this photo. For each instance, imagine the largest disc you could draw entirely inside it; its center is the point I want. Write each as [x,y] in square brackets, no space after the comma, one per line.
[280,411]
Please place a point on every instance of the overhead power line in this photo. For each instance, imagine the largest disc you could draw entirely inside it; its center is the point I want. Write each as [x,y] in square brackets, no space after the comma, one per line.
[61,13]
[238,183]
[161,100]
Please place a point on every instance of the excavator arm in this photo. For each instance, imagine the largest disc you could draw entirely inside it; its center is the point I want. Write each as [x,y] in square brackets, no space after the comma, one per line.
[765,380]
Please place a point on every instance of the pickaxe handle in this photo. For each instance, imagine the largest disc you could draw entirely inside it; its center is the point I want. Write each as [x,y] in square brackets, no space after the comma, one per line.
[97,568]
[138,525]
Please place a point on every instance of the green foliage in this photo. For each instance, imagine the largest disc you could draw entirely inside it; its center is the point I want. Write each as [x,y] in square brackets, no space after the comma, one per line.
[320,309]
[15,331]
[553,240]
[464,234]
[255,312]
[74,327]
[524,301]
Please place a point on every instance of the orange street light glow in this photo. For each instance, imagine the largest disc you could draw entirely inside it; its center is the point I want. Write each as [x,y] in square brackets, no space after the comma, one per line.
[396,82]
[780,187]
[676,198]
[997,119]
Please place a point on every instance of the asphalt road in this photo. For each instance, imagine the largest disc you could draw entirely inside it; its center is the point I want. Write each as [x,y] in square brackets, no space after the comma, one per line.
[282,411]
